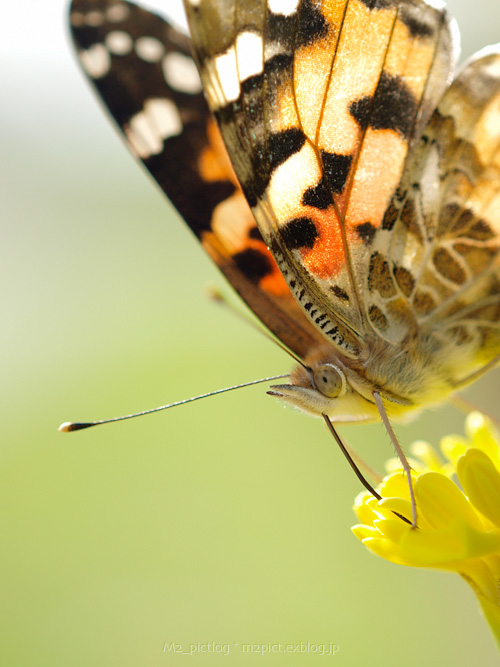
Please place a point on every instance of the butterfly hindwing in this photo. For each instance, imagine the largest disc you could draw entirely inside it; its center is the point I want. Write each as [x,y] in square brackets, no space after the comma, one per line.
[457,286]
[143,70]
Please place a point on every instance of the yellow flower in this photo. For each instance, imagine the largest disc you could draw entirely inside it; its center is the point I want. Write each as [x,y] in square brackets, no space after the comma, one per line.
[458,504]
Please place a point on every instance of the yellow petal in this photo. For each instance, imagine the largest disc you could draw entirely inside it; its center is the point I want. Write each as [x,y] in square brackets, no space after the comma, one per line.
[427,455]
[365,506]
[439,501]
[453,447]
[484,436]
[481,481]
[385,549]
[362,532]
[392,529]
[449,547]
[395,486]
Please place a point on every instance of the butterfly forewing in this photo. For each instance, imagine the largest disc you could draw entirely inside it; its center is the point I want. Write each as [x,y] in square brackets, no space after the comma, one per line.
[319,104]
[143,70]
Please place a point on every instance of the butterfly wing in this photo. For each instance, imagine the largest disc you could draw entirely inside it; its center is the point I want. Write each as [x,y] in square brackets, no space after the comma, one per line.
[443,234]
[320,104]
[143,71]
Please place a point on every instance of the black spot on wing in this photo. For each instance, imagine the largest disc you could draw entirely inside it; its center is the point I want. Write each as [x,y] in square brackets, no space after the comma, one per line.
[299,233]
[392,107]
[319,196]
[282,145]
[312,24]
[253,264]
[390,217]
[252,88]
[377,318]
[378,4]
[461,218]
[409,218]
[360,111]
[279,147]
[366,232]
[480,231]
[414,18]
[379,276]
[336,168]
[255,234]
[446,264]
[340,293]
[280,29]
[179,178]
[404,279]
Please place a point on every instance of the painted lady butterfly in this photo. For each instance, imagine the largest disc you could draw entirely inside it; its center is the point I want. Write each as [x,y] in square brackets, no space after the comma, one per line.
[360,216]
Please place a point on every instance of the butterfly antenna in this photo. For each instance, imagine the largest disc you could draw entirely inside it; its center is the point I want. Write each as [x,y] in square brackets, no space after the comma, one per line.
[216,295]
[345,451]
[66,427]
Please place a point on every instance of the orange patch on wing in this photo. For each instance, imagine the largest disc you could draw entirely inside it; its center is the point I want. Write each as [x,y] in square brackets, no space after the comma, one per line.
[410,57]
[214,163]
[232,224]
[327,258]
[377,176]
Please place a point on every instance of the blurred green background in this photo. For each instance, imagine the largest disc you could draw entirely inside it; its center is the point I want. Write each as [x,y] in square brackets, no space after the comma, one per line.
[225,521]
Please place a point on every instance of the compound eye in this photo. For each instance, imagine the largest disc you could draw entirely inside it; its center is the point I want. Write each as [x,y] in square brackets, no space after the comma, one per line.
[329,380]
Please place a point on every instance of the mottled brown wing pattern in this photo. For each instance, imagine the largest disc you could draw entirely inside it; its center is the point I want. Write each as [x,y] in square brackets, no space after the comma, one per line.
[142,69]
[442,238]
[320,103]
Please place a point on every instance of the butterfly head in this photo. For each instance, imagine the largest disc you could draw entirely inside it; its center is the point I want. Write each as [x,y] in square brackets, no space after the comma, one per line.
[328,384]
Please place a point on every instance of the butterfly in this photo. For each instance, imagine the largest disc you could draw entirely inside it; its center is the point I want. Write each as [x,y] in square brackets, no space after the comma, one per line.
[344,182]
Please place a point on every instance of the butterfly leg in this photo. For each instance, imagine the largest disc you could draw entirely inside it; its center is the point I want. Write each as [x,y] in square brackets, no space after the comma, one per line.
[350,459]
[399,451]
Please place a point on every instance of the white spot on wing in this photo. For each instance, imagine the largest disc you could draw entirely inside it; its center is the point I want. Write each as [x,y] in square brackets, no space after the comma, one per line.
[289,181]
[96,61]
[284,7]
[181,74]
[76,19]
[117,13]
[436,4]
[119,43]
[94,19]
[249,52]
[149,49]
[227,76]
[148,129]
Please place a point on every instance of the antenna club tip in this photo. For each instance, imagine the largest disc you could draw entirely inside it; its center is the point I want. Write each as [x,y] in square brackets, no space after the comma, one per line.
[65,427]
